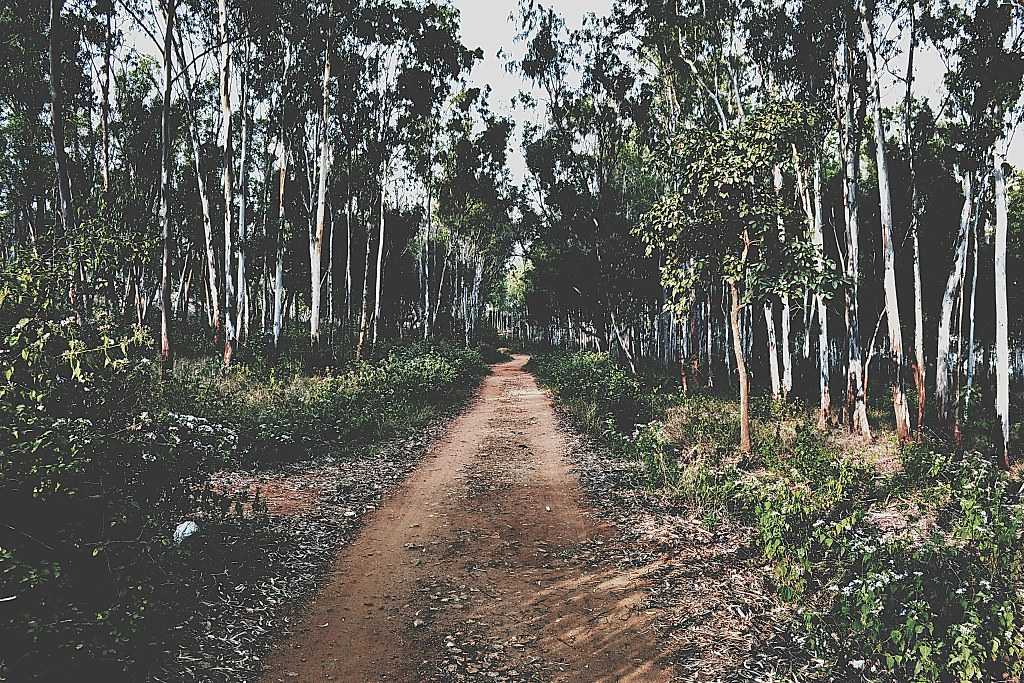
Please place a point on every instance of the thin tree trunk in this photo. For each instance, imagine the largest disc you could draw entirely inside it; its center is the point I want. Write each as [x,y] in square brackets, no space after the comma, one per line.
[279,294]
[60,157]
[970,324]
[243,197]
[943,360]
[316,235]
[204,202]
[364,311]
[166,342]
[227,154]
[825,403]
[892,308]
[348,246]
[1002,316]
[380,262]
[105,99]
[919,360]
[741,367]
[856,400]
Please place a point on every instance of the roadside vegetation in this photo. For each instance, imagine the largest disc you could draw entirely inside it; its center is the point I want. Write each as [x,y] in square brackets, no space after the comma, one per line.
[117,550]
[903,565]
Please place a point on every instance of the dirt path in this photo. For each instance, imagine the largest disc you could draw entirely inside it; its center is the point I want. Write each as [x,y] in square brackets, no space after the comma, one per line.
[476,568]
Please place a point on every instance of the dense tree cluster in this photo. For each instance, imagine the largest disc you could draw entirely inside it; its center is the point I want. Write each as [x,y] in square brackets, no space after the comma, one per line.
[245,165]
[786,211]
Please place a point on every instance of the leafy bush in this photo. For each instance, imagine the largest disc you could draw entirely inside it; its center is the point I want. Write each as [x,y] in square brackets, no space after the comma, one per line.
[605,395]
[100,465]
[282,415]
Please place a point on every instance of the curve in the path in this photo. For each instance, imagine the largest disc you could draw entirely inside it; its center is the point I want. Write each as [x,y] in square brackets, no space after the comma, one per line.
[474,568]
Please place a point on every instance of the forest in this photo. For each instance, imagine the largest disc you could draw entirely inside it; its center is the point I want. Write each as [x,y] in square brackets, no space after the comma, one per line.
[698,357]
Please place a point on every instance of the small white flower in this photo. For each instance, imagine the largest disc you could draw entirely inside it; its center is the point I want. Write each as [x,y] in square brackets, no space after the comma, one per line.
[857,664]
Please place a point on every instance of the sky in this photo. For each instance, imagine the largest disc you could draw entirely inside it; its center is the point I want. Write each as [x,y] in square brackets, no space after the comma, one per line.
[487,24]
[491,26]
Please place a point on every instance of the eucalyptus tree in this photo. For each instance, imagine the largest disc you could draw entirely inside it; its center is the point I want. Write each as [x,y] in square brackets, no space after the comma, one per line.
[166,229]
[892,307]
[587,169]
[721,222]
[475,199]
[984,81]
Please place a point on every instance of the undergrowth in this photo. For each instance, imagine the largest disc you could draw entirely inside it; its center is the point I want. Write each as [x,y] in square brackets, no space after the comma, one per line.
[100,465]
[908,575]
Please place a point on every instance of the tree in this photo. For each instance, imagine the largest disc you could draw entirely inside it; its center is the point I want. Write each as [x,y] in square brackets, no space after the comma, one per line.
[722,222]
[892,307]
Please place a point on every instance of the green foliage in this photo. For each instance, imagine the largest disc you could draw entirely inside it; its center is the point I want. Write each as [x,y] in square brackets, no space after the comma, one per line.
[91,489]
[606,398]
[911,576]
[282,415]
[99,464]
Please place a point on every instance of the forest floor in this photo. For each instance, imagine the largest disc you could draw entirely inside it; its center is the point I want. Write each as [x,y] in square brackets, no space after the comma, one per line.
[487,563]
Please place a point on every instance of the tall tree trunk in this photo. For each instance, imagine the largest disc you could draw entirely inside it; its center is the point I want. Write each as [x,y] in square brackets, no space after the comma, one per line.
[166,343]
[243,199]
[919,360]
[105,99]
[786,351]
[60,157]
[426,246]
[944,361]
[227,154]
[279,298]
[380,261]
[773,350]
[204,201]
[971,318]
[741,368]
[856,400]
[892,307]
[1002,317]
[348,245]
[364,310]
[316,234]
[825,403]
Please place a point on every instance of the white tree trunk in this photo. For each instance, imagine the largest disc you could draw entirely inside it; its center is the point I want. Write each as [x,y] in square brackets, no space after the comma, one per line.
[892,308]
[380,261]
[944,360]
[243,192]
[825,403]
[1002,316]
[316,232]
[856,399]
[166,234]
[279,260]
[228,179]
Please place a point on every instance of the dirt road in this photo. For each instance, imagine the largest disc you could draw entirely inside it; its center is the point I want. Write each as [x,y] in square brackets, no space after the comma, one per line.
[477,568]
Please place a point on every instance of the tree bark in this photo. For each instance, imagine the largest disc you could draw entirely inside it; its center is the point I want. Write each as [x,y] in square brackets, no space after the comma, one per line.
[825,402]
[364,310]
[892,308]
[60,157]
[316,234]
[166,342]
[243,198]
[1002,316]
[943,364]
[204,201]
[380,262]
[105,100]
[856,400]
[228,181]
[741,368]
